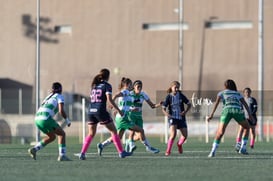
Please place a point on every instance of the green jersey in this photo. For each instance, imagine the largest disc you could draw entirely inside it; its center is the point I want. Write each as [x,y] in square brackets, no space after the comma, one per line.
[231,99]
[49,107]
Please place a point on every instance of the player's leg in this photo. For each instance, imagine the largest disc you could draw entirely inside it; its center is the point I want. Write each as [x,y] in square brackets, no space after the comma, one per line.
[61,144]
[136,119]
[226,116]
[121,125]
[47,127]
[115,137]
[171,139]
[245,135]
[130,143]
[182,139]
[219,134]
[182,126]
[100,146]
[41,144]
[92,129]
[239,138]
[240,118]
[253,136]
[144,140]
[253,131]
[135,133]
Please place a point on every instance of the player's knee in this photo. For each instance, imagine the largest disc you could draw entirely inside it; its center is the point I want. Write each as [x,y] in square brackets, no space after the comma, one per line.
[52,137]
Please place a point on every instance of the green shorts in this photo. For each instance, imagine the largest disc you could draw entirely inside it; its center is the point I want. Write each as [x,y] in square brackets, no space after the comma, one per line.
[136,117]
[229,113]
[47,126]
[123,123]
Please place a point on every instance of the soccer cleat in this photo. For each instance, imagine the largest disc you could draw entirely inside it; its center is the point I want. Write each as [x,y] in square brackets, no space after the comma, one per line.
[125,154]
[251,146]
[167,153]
[211,154]
[180,148]
[237,146]
[63,158]
[243,151]
[32,153]
[99,148]
[152,150]
[82,156]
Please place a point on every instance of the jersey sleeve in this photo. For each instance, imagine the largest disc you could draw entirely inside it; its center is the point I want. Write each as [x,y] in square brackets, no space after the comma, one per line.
[145,96]
[60,98]
[220,94]
[108,88]
[125,92]
[185,99]
[255,106]
[166,102]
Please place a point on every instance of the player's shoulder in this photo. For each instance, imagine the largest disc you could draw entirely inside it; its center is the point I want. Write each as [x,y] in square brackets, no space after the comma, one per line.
[143,93]
[168,97]
[253,100]
[228,92]
[125,92]
[59,97]
[106,85]
[181,93]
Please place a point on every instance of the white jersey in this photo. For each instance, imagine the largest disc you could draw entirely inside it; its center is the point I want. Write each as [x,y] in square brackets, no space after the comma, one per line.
[138,100]
[49,107]
[231,99]
[125,101]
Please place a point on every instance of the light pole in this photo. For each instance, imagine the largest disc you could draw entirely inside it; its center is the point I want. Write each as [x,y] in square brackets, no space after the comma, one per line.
[37,76]
[260,69]
[180,43]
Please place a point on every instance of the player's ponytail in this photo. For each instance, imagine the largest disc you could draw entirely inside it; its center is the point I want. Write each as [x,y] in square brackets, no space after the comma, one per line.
[103,75]
[124,81]
[230,84]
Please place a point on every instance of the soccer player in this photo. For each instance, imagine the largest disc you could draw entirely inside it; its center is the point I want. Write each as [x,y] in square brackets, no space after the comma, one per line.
[252,104]
[101,93]
[173,108]
[135,115]
[122,122]
[232,108]
[52,104]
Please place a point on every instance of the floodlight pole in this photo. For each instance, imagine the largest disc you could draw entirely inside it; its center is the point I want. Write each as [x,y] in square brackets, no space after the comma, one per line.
[180,44]
[37,79]
[260,69]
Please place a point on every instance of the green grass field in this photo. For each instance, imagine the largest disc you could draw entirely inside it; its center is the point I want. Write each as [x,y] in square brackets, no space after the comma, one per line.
[193,164]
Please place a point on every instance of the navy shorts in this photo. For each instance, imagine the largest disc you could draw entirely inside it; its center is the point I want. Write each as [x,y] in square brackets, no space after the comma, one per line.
[252,123]
[180,123]
[102,118]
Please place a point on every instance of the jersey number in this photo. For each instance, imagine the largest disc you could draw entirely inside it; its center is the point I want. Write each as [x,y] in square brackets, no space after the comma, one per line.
[96,95]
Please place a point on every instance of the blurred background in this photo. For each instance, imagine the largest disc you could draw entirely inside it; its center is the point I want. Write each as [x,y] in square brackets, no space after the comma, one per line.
[200,43]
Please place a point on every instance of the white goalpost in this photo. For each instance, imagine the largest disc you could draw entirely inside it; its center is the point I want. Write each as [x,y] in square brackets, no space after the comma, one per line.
[83,119]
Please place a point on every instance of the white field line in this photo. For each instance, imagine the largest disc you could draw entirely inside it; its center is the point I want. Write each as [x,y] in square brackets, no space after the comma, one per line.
[144,155]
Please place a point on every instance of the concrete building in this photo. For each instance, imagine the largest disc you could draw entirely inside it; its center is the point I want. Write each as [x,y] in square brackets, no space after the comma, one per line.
[110,33]
[79,37]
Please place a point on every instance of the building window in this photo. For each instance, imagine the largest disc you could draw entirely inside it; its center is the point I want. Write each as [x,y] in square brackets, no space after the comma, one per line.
[63,29]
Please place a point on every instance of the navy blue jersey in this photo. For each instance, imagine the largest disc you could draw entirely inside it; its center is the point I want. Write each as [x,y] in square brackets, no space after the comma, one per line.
[252,104]
[98,98]
[175,104]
